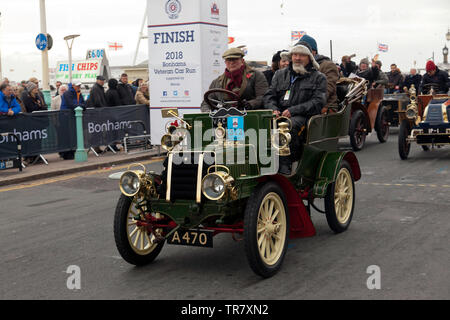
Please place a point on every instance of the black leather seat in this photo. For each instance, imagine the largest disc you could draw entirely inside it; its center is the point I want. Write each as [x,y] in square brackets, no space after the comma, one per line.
[341,91]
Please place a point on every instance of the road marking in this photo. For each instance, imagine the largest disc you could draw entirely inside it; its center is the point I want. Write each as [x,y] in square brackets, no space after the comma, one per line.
[405,185]
[72,176]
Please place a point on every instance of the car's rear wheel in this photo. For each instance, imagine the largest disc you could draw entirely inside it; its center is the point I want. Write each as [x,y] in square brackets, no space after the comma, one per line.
[340,199]
[357,130]
[266,229]
[382,125]
[133,241]
[403,145]
[425,148]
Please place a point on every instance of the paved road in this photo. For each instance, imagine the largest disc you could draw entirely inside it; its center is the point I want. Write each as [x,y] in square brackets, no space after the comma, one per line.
[401,224]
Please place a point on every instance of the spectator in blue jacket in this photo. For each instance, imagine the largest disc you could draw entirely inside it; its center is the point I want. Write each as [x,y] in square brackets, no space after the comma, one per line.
[8,103]
[73,98]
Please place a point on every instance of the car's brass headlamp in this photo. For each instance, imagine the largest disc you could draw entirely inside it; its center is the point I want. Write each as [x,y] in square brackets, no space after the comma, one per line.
[411,112]
[131,181]
[174,136]
[220,132]
[169,141]
[216,184]
[281,138]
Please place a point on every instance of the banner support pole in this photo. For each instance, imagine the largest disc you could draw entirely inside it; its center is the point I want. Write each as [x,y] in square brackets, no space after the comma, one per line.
[80,153]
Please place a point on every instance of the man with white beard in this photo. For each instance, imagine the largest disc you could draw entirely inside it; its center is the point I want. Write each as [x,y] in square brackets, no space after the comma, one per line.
[297,92]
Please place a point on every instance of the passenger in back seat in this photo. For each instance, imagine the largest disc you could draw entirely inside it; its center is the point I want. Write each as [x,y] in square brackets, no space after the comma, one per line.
[327,67]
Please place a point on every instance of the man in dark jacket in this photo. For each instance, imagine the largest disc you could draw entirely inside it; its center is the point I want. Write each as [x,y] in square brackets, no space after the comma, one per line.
[112,95]
[125,91]
[395,79]
[412,78]
[348,66]
[297,92]
[73,98]
[97,97]
[435,75]
[370,74]
[327,67]
[240,78]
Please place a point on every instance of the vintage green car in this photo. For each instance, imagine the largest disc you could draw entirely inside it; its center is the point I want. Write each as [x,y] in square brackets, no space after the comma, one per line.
[220,175]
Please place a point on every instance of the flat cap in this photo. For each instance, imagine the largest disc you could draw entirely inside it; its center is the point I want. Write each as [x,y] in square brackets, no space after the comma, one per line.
[233,53]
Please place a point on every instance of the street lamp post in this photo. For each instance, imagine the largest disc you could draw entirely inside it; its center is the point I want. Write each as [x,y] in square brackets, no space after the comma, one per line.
[1,76]
[45,75]
[69,46]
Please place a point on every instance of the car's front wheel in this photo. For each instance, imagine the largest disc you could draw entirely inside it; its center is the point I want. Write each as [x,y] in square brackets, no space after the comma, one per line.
[132,240]
[266,229]
[340,199]
[403,145]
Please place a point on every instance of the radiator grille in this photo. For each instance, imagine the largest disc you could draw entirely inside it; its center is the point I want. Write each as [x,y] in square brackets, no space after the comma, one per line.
[183,185]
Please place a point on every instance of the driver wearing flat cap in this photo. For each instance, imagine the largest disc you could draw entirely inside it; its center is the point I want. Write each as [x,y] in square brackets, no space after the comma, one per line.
[250,85]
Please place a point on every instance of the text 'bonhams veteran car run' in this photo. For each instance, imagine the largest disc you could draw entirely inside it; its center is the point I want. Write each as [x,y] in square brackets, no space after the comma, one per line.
[220,176]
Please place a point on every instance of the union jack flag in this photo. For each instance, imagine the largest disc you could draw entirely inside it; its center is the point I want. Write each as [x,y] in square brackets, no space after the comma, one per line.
[297,35]
[382,47]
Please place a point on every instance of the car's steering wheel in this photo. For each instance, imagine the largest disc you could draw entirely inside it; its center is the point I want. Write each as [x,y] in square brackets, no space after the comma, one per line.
[217,104]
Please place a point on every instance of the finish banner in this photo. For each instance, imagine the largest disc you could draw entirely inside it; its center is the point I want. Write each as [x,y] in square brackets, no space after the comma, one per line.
[186,40]
[104,126]
[40,132]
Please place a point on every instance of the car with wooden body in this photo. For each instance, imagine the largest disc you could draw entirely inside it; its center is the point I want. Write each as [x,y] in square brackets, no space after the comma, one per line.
[395,103]
[368,115]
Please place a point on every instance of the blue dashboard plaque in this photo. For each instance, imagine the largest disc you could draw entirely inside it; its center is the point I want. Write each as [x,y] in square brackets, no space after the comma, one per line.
[235,128]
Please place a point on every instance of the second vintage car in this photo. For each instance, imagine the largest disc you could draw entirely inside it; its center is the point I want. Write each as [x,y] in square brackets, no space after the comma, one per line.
[425,122]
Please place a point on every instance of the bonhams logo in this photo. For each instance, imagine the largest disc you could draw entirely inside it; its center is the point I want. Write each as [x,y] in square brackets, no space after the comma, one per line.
[25,136]
[173,8]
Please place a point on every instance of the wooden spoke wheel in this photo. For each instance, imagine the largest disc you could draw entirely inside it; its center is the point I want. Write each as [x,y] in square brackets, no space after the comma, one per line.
[382,125]
[357,130]
[133,241]
[266,229]
[340,199]
[403,145]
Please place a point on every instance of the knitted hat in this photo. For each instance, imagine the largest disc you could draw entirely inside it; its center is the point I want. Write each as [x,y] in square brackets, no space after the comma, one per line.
[309,40]
[301,49]
[30,86]
[430,66]
[365,61]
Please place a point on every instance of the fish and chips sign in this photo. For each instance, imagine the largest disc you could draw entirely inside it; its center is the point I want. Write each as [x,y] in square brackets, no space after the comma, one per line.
[85,71]
[82,70]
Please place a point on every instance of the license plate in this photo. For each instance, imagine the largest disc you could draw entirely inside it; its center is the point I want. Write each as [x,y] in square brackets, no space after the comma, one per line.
[6,164]
[192,237]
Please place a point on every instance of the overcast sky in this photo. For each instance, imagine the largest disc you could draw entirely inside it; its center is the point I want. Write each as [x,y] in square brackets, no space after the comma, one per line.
[411,29]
